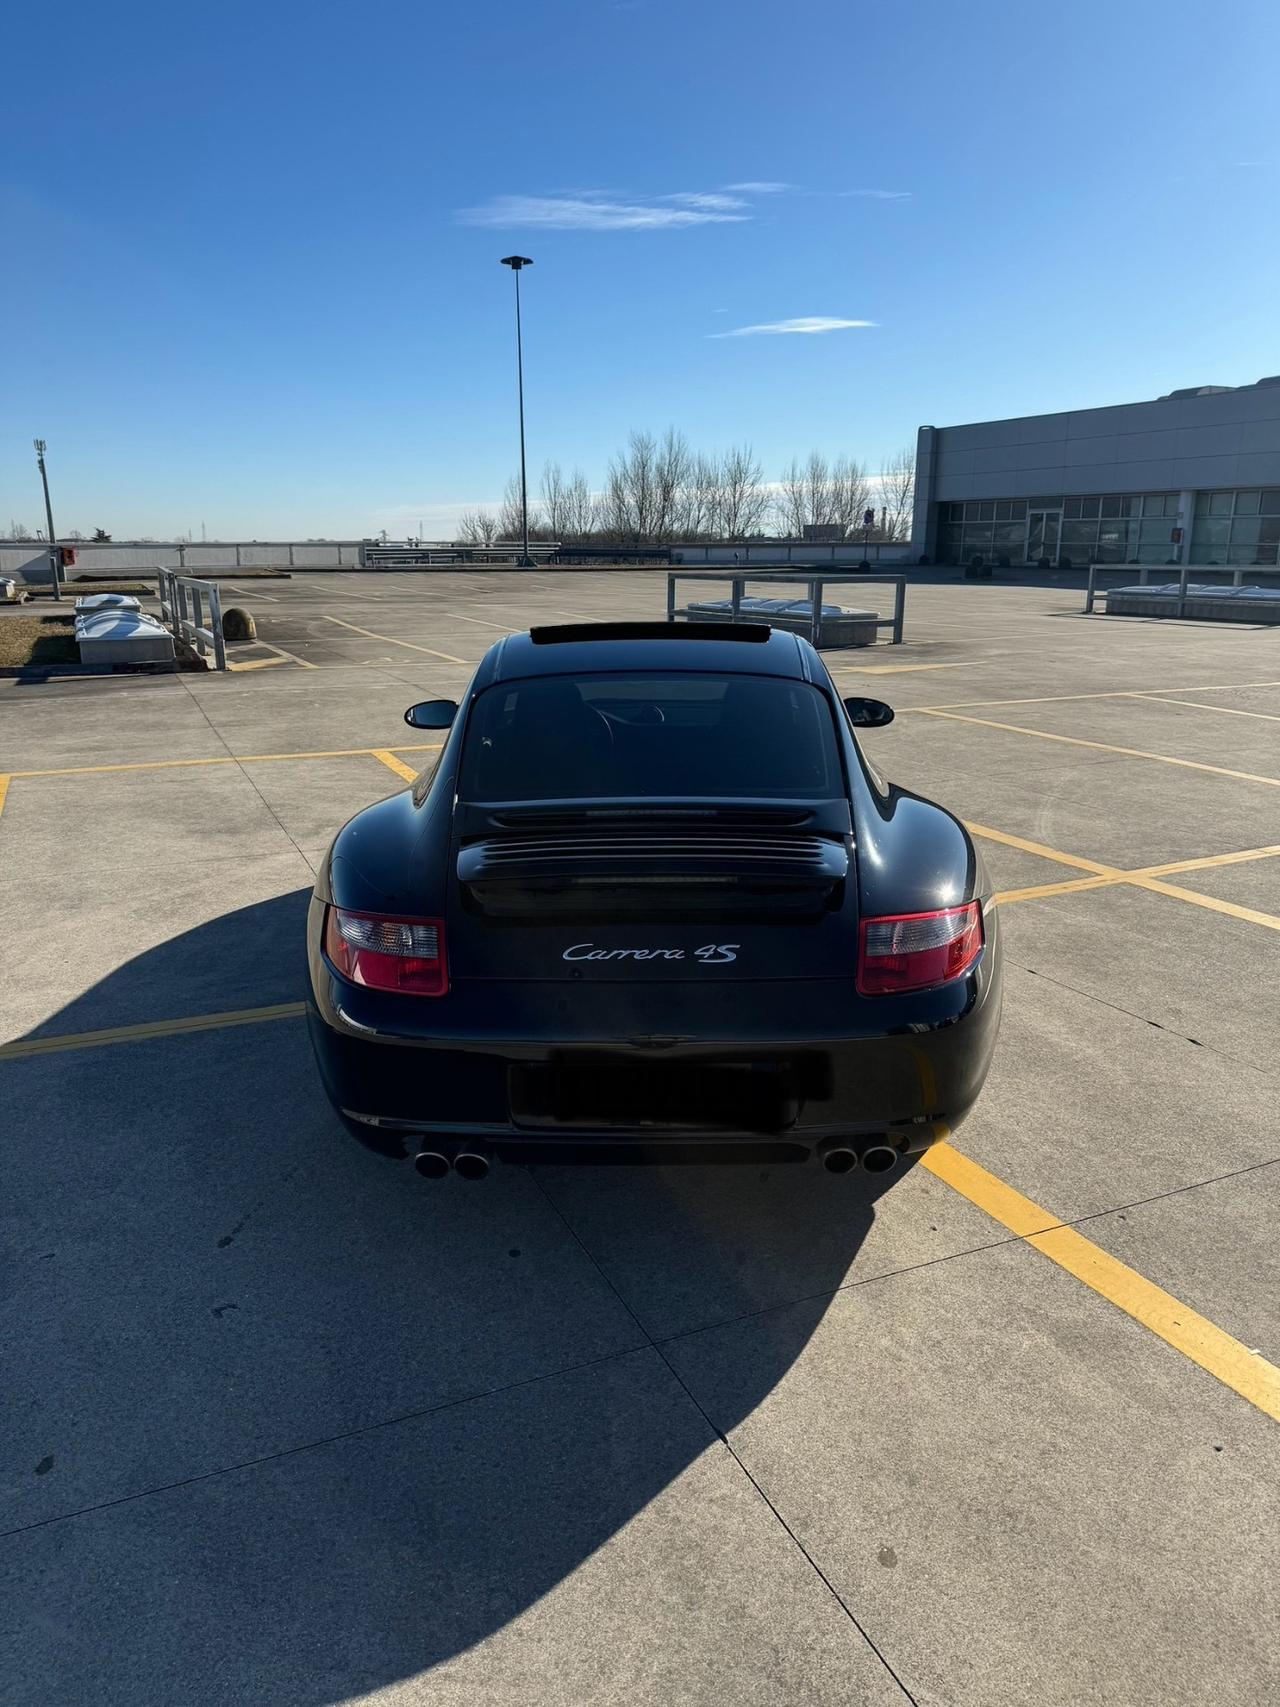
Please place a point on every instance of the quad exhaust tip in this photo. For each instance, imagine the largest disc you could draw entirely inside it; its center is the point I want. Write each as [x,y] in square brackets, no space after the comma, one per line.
[471,1164]
[841,1157]
[432,1164]
[467,1164]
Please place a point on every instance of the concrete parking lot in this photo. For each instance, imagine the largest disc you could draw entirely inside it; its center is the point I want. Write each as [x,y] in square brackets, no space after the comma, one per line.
[286,1424]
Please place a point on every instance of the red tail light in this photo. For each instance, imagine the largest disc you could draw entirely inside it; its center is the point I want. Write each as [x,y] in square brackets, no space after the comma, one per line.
[405,955]
[914,951]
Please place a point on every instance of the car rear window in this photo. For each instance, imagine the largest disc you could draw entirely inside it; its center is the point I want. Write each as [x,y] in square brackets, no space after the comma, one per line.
[564,737]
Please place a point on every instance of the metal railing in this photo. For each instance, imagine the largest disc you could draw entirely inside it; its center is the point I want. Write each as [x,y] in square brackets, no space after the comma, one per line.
[192,611]
[1255,571]
[814,585]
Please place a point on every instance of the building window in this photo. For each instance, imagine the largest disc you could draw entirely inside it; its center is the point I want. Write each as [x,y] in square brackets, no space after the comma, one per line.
[1236,527]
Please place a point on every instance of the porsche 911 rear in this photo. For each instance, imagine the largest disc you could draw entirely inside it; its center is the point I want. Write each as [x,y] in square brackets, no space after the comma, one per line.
[652,905]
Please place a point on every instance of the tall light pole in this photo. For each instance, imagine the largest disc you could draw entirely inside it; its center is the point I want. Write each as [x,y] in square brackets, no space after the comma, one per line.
[54,565]
[515,262]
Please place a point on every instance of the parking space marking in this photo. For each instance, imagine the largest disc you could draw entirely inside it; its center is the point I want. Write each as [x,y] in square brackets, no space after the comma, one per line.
[232,759]
[394,764]
[1198,1339]
[4,789]
[1111,693]
[892,669]
[256,663]
[1199,705]
[28,1046]
[1141,877]
[502,627]
[1038,848]
[392,641]
[1232,909]
[1209,861]
[1069,886]
[1100,746]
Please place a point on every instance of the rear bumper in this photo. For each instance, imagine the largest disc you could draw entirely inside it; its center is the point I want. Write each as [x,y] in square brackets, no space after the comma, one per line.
[905,1067]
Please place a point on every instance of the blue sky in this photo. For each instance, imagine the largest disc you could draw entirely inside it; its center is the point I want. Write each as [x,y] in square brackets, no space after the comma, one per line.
[251,272]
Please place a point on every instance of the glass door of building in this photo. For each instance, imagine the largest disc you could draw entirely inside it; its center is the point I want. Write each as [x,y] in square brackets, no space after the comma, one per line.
[1044,528]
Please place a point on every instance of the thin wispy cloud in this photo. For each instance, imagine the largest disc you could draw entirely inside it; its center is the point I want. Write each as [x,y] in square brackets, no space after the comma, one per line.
[759,187]
[804,325]
[875,195]
[593,213]
[714,201]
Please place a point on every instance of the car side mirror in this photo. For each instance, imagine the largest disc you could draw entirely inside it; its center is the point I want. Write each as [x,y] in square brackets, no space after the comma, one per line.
[869,713]
[436,714]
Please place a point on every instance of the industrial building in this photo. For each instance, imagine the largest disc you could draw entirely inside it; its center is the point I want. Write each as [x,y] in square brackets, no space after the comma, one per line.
[1191,477]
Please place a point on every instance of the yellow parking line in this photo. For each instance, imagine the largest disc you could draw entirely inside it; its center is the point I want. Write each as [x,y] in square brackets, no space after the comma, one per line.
[1207,862]
[1101,746]
[1198,1339]
[1039,848]
[891,669]
[256,663]
[1231,908]
[232,759]
[1112,693]
[28,1046]
[392,641]
[1069,886]
[394,764]
[291,656]
[4,789]
[1198,705]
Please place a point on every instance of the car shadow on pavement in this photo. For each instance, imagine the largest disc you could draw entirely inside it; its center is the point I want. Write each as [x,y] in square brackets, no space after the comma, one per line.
[293,1424]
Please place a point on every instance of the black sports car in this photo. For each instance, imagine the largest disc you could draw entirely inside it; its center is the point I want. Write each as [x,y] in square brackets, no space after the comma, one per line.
[652,902]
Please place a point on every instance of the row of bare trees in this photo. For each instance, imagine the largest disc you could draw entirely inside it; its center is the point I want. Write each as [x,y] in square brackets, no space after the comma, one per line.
[660,489]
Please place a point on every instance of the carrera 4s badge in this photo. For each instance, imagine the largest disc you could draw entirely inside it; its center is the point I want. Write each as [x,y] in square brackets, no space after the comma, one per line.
[711,954]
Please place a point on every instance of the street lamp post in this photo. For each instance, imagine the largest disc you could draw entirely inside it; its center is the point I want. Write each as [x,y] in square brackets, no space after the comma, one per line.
[54,564]
[515,262]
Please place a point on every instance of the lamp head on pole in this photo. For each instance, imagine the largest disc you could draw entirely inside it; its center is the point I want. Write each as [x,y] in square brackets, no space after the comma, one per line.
[515,262]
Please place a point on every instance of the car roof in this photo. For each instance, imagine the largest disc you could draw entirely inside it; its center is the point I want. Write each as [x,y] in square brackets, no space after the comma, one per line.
[624,647]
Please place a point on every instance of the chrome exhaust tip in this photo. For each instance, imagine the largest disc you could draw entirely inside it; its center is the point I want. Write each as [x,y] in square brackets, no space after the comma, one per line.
[471,1164]
[879,1158]
[431,1164]
[838,1157]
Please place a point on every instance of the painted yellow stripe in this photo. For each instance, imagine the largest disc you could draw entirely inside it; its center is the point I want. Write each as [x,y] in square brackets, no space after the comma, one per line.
[1111,693]
[1101,746]
[4,789]
[1198,705]
[395,764]
[1231,909]
[1198,1339]
[28,1046]
[1207,862]
[893,669]
[1069,886]
[232,759]
[1043,852]
[256,663]
[392,641]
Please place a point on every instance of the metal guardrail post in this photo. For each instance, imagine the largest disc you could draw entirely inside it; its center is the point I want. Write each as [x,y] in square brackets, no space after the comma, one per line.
[735,602]
[899,607]
[815,613]
[1089,590]
[671,597]
[215,625]
[1182,590]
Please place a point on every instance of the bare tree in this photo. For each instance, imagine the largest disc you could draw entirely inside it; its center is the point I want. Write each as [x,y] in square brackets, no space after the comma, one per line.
[477,527]
[511,514]
[898,492]
[19,530]
[555,499]
[581,509]
[742,498]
